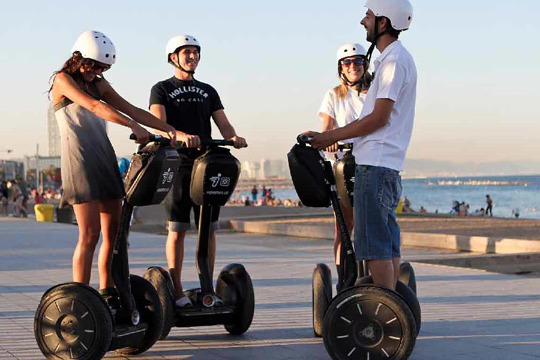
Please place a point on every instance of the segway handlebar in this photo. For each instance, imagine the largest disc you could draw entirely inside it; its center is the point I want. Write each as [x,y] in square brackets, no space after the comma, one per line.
[154,138]
[306,139]
[222,142]
[346,146]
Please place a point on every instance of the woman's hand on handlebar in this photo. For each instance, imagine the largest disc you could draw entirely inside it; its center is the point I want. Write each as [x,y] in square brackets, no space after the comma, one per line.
[333,148]
[190,141]
[239,142]
[171,133]
[141,134]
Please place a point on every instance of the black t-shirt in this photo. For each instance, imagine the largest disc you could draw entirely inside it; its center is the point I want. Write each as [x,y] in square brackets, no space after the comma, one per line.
[189,105]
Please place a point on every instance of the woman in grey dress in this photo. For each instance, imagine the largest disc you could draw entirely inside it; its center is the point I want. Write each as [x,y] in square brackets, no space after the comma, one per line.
[83,101]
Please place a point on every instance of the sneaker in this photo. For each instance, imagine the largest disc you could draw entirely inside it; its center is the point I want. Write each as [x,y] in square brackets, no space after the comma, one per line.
[183,303]
[111,297]
[219,301]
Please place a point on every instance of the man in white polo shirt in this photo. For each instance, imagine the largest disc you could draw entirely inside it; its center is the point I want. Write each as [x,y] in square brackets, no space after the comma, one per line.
[382,136]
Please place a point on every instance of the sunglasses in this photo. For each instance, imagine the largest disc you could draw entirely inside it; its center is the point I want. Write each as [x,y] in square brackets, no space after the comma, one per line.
[98,66]
[355,61]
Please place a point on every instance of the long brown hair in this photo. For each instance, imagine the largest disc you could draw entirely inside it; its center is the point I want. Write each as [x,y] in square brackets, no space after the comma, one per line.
[71,67]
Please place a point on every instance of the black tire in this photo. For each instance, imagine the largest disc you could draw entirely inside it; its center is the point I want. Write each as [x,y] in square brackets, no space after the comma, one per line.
[162,282]
[321,291]
[369,319]
[73,321]
[407,276]
[407,294]
[234,287]
[149,307]
[410,298]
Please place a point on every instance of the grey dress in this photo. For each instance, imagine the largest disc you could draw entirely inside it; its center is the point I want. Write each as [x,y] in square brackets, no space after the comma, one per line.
[89,166]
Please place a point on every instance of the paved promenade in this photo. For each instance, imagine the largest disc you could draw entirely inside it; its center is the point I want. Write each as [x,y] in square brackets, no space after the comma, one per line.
[467,314]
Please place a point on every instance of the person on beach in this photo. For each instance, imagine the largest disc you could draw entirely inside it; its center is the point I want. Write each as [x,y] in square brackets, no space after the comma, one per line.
[254,193]
[17,197]
[342,105]
[382,134]
[4,198]
[83,100]
[188,105]
[489,208]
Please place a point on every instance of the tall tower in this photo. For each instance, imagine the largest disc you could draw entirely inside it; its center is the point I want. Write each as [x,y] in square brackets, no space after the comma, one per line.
[54,132]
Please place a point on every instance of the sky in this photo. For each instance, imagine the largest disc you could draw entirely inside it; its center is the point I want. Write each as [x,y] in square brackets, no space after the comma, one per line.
[272,62]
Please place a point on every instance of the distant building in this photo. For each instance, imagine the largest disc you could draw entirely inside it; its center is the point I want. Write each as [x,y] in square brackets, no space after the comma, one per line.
[265,169]
[10,169]
[53,132]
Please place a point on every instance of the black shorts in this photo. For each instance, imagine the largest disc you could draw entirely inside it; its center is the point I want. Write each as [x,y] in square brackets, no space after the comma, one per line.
[178,202]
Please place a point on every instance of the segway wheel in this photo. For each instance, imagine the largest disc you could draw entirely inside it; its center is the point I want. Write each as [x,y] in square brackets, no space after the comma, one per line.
[369,322]
[72,321]
[321,295]
[407,294]
[162,282]
[149,307]
[407,276]
[234,287]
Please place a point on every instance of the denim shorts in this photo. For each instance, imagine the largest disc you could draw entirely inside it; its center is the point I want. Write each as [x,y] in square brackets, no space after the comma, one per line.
[376,195]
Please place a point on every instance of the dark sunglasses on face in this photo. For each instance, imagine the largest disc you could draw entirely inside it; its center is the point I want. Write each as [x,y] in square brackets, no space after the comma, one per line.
[97,66]
[355,61]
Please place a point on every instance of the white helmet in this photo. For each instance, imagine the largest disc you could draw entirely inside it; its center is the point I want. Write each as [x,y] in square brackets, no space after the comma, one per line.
[178,41]
[400,12]
[96,46]
[350,49]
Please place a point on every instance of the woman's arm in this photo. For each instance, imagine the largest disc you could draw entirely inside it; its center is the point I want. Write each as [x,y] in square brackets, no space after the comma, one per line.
[111,97]
[329,123]
[65,86]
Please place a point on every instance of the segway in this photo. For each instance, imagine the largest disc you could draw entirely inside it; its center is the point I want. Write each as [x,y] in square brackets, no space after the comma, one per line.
[363,321]
[73,321]
[214,177]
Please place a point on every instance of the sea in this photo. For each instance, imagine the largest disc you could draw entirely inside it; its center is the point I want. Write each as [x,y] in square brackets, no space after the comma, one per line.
[436,194]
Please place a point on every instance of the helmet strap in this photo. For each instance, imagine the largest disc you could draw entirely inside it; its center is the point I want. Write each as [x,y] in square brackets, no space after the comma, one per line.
[178,66]
[376,36]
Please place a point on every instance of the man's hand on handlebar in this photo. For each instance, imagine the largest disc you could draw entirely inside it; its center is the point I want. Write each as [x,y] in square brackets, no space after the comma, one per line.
[321,140]
[239,142]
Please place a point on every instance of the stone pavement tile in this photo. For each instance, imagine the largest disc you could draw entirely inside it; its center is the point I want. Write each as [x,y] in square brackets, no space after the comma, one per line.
[467,314]
[458,349]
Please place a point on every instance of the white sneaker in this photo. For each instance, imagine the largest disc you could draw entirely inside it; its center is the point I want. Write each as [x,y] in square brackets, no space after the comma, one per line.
[183,302]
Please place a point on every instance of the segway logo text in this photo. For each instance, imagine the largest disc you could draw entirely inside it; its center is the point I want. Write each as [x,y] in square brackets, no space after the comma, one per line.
[221,181]
[167,176]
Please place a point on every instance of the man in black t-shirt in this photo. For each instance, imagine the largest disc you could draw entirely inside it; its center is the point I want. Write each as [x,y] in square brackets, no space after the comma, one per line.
[188,105]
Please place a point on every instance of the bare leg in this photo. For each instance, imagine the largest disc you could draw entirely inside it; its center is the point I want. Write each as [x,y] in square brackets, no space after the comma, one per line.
[110,212]
[382,272]
[87,215]
[174,251]
[395,265]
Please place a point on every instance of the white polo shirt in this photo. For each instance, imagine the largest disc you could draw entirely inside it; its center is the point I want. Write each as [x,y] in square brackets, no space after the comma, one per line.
[342,110]
[395,79]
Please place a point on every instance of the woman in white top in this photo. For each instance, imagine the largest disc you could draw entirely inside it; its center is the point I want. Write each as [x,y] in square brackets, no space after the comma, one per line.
[343,105]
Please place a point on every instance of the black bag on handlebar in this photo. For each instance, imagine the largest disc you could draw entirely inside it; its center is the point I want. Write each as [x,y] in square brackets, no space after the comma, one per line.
[344,170]
[151,174]
[214,177]
[307,172]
